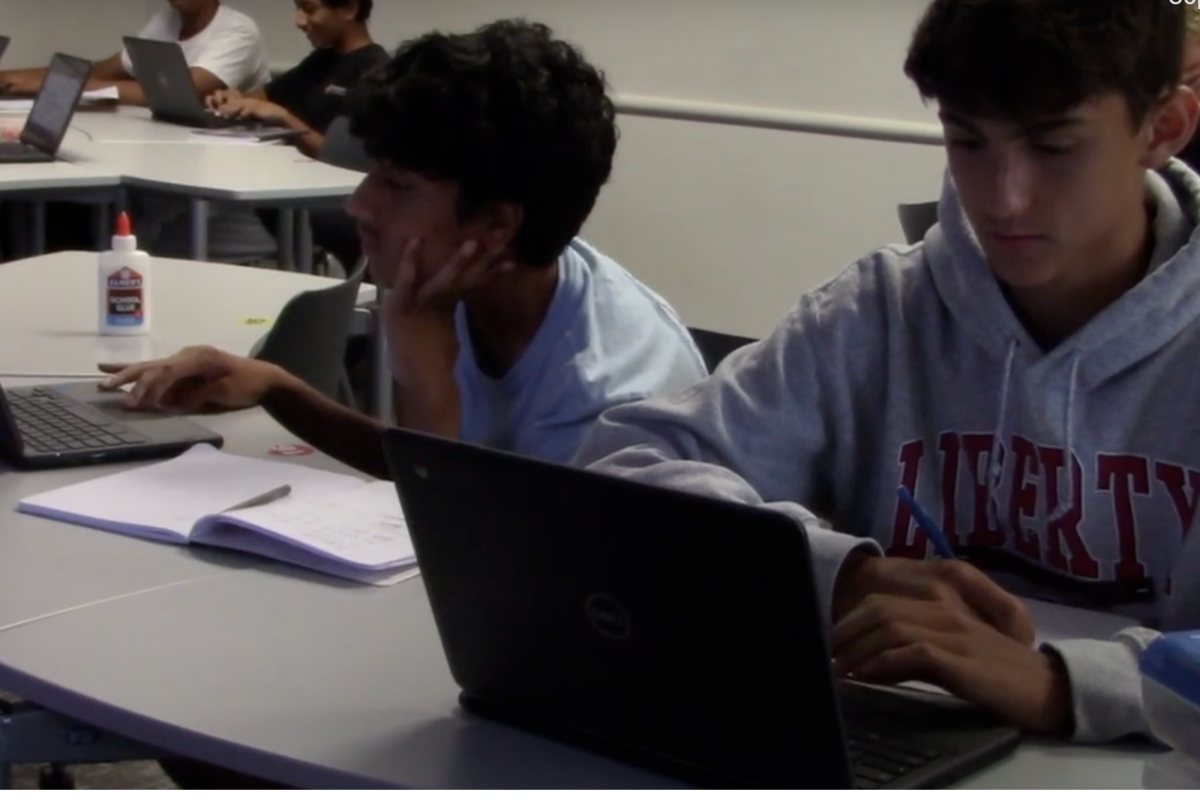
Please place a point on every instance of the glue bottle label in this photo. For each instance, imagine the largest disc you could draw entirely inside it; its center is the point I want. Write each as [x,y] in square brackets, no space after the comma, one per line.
[124,298]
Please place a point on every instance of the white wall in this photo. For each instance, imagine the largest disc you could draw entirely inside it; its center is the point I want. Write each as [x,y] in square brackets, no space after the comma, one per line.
[85,28]
[731,224]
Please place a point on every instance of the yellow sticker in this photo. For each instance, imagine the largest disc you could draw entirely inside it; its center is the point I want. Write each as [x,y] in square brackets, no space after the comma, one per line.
[256,321]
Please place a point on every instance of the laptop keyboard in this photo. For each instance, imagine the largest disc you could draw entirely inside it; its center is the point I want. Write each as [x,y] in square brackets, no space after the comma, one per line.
[878,760]
[51,423]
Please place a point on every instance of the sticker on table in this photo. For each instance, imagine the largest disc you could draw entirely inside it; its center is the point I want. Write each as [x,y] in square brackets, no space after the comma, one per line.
[291,450]
[256,321]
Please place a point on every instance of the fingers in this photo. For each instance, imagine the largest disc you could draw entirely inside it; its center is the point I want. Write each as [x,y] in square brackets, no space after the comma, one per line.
[883,622]
[122,374]
[1003,611]
[404,280]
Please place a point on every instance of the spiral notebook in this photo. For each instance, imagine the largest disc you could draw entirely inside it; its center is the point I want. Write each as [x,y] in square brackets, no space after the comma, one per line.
[336,524]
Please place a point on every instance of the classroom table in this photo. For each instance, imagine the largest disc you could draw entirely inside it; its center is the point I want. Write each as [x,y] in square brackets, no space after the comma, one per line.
[129,149]
[263,667]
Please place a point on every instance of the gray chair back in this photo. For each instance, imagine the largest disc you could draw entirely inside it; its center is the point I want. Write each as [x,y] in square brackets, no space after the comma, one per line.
[343,149]
[309,337]
[715,346]
[916,219]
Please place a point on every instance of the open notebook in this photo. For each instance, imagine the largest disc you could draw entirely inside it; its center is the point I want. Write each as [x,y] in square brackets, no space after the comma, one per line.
[336,524]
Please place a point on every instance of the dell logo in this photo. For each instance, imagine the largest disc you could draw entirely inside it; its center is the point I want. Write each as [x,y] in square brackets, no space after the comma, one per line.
[607,616]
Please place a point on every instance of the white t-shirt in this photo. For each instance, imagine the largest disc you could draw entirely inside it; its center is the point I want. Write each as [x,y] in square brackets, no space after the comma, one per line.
[231,47]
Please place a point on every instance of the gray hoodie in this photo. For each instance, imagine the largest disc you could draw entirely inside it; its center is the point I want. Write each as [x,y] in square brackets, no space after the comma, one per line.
[1075,473]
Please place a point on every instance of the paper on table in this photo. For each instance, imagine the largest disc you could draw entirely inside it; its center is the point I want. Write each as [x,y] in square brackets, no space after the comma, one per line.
[163,501]
[363,527]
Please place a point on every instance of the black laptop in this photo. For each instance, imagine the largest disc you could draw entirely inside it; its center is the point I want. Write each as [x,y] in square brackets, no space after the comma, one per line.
[673,631]
[73,424]
[51,115]
[4,40]
[163,73]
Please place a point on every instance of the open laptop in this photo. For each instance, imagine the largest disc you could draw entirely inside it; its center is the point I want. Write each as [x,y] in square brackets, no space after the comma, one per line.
[669,630]
[73,424]
[4,40]
[51,115]
[163,73]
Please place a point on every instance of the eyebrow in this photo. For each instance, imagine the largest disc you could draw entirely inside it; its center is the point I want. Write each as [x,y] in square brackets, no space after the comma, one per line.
[1041,126]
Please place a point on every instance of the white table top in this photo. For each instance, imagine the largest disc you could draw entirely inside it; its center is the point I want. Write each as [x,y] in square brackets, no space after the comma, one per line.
[126,147]
[54,176]
[49,303]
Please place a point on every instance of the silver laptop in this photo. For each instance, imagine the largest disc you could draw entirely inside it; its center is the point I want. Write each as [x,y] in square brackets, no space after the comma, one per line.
[53,109]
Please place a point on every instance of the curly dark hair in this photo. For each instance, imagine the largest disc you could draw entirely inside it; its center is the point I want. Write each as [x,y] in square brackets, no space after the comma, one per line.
[1020,59]
[364,8]
[510,113]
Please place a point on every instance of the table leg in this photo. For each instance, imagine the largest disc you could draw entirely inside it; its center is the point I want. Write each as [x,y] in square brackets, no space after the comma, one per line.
[380,371]
[304,254]
[103,220]
[287,238]
[39,227]
[199,229]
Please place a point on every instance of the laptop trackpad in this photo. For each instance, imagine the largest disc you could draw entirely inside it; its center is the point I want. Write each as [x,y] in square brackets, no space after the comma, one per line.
[110,408]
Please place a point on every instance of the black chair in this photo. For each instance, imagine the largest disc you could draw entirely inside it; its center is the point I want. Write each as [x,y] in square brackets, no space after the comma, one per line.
[716,346]
[916,219]
[309,337]
[333,231]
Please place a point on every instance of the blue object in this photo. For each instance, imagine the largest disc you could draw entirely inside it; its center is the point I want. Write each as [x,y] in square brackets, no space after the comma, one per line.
[940,544]
[1173,662]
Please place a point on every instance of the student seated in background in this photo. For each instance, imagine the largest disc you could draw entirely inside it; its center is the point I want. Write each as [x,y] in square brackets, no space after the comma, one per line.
[312,95]
[222,46]
[504,327]
[1028,372]
[316,91]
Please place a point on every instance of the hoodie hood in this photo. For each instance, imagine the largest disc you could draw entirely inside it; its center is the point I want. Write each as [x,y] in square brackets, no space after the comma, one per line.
[1133,328]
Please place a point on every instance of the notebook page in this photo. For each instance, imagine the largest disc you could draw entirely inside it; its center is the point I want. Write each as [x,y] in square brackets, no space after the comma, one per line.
[362,527]
[164,500]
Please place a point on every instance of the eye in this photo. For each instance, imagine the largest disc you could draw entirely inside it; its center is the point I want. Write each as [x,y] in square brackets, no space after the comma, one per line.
[1051,149]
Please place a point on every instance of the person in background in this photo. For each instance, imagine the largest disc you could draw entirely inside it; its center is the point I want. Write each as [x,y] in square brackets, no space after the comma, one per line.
[225,50]
[1028,372]
[309,96]
[222,46]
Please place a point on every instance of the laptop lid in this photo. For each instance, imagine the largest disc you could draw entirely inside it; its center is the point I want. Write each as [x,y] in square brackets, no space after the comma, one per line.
[4,40]
[680,631]
[55,104]
[162,71]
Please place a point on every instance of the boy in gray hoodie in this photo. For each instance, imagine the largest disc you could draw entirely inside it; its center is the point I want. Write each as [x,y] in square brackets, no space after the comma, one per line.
[1030,372]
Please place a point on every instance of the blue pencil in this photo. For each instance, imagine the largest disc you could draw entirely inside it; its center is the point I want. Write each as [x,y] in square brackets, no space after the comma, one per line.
[940,544]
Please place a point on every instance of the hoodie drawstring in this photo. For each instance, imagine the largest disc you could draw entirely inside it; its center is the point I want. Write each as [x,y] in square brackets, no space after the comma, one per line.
[995,469]
[1067,498]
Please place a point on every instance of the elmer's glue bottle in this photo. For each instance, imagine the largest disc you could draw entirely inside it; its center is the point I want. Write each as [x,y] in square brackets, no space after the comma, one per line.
[124,285]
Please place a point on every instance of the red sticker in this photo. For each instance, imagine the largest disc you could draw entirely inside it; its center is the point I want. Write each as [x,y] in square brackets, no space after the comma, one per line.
[291,450]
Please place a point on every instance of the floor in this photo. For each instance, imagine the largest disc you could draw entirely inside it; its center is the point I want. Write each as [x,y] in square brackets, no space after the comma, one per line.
[127,775]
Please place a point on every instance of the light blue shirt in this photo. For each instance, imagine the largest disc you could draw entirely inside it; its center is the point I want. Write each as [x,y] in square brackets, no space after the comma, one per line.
[606,340]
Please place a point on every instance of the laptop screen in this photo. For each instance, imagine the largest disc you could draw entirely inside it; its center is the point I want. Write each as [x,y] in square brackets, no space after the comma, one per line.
[3,45]
[55,103]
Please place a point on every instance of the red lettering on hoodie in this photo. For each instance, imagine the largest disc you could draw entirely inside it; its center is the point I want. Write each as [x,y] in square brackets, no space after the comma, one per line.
[1123,477]
[977,447]
[1023,504]
[902,545]
[1063,528]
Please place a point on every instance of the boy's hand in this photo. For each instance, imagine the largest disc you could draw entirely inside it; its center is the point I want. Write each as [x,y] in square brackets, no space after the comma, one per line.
[890,639]
[951,583]
[194,380]
[946,623]
[419,314]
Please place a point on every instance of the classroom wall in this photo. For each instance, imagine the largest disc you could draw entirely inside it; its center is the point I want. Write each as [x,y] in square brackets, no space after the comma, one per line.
[40,27]
[731,224]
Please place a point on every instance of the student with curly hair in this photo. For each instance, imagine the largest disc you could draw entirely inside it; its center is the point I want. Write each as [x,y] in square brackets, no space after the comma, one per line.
[504,327]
